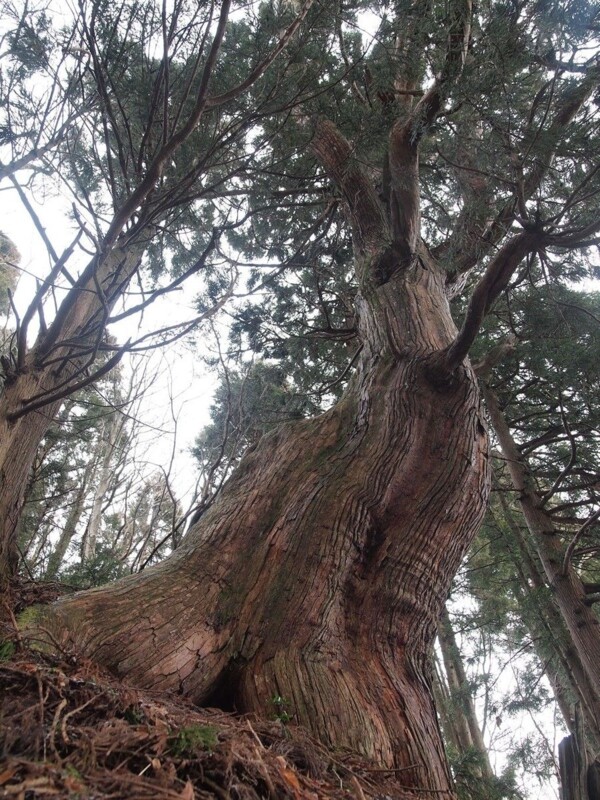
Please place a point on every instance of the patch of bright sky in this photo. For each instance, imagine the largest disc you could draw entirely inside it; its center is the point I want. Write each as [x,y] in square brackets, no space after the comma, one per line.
[180,378]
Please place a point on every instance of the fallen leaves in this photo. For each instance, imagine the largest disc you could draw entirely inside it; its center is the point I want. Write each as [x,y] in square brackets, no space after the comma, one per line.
[71,731]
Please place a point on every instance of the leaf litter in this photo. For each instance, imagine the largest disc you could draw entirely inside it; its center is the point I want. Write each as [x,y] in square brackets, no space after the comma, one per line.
[69,729]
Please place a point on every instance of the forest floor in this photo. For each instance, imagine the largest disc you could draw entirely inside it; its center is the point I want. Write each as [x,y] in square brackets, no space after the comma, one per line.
[70,730]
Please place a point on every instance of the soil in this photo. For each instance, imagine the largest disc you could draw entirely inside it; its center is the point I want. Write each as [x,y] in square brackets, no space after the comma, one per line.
[70,730]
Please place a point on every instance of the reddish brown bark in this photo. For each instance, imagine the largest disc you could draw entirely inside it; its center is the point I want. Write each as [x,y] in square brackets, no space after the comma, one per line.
[320,574]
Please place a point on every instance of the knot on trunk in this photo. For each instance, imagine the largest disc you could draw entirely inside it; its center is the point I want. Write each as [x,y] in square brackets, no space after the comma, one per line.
[441,375]
[388,262]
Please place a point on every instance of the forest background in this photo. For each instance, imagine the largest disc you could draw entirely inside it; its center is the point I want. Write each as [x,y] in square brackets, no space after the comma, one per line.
[280,273]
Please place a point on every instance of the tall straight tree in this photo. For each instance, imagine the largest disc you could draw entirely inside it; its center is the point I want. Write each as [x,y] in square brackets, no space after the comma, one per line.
[548,437]
[320,571]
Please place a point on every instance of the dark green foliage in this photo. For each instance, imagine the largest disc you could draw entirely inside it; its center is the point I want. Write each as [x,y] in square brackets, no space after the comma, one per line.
[247,404]
[471,786]
[550,390]
[244,193]
[103,567]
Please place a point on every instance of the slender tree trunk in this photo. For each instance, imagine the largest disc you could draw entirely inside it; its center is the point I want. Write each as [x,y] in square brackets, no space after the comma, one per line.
[108,443]
[582,623]
[467,724]
[552,641]
[44,374]
[68,532]
[320,573]
[443,704]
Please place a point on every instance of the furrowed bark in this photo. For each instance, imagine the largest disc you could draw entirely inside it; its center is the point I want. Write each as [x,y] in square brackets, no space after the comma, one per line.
[320,573]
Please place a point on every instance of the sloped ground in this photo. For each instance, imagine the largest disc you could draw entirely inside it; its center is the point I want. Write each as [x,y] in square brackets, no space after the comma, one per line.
[70,730]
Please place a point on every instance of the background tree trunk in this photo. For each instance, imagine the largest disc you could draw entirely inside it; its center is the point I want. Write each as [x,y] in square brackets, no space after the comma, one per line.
[469,735]
[552,641]
[108,444]
[567,588]
[55,561]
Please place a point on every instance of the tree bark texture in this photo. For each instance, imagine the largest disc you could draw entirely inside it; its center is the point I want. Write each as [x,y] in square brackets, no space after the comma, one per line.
[573,770]
[18,445]
[320,574]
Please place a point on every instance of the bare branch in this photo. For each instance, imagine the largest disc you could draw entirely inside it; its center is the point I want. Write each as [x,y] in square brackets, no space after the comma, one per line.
[33,404]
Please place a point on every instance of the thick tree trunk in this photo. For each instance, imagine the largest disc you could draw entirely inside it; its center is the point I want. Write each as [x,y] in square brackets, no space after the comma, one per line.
[579,779]
[320,574]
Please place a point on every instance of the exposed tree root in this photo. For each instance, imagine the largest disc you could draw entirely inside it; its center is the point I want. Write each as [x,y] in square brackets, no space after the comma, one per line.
[68,729]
